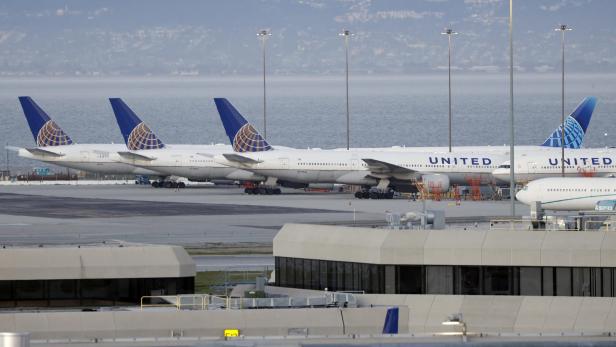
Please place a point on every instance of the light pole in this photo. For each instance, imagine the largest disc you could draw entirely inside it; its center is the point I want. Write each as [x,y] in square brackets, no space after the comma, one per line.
[346,33]
[562,28]
[512,134]
[263,35]
[449,32]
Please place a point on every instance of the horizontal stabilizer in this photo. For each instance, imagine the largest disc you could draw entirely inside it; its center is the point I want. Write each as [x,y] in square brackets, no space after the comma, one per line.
[382,167]
[12,148]
[135,156]
[240,159]
[44,152]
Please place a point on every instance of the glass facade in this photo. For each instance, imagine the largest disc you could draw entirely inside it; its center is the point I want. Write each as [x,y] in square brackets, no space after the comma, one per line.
[87,292]
[445,279]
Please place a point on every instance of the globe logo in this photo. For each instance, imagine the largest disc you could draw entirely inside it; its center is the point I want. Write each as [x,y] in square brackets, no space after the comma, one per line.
[50,134]
[574,135]
[248,139]
[143,138]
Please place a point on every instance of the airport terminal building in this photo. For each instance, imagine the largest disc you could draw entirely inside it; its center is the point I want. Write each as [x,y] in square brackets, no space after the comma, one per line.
[477,262]
[92,276]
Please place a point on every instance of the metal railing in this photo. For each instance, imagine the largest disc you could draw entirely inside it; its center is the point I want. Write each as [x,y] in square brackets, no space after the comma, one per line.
[510,224]
[553,225]
[214,302]
[600,225]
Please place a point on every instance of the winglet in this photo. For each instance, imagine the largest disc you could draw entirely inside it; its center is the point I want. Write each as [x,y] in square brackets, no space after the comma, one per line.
[243,136]
[45,131]
[575,126]
[136,133]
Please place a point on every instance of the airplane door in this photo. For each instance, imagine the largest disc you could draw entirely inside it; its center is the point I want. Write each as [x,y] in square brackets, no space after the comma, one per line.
[532,169]
[177,159]
[284,163]
[354,164]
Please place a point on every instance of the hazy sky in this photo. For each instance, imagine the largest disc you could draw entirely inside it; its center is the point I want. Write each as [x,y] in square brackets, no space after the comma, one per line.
[214,38]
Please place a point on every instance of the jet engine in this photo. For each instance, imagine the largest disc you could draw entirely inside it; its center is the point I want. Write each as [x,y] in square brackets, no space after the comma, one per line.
[434,182]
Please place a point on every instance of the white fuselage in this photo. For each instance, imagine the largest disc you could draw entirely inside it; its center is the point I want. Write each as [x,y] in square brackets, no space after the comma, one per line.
[100,158]
[578,162]
[348,166]
[568,193]
[195,163]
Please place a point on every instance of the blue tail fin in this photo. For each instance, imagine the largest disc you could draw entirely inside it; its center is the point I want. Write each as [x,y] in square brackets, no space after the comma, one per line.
[391,321]
[243,136]
[575,126]
[45,131]
[136,134]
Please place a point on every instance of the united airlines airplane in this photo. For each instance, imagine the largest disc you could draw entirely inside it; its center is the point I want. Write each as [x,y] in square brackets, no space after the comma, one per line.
[145,150]
[54,146]
[583,162]
[568,193]
[434,167]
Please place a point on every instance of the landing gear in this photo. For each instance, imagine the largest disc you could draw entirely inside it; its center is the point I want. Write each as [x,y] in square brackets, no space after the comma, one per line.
[168,184]
[262,191]
[375,193]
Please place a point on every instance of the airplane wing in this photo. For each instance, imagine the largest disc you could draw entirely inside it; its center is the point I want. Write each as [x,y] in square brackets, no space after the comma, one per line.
[207,155]
[44,152]
[383,167]
[135,156]
[240,159]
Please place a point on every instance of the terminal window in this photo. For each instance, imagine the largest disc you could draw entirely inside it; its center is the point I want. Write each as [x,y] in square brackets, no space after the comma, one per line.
[444,279]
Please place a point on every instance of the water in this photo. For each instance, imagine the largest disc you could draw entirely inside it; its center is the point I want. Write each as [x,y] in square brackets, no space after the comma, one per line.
[310,111]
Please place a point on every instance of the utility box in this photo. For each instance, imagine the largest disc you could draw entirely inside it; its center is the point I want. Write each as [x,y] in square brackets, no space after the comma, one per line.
[438,219]
[260,283]
[536,211]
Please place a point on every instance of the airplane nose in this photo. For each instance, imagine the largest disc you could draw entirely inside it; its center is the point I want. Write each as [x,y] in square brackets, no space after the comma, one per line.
[522,196]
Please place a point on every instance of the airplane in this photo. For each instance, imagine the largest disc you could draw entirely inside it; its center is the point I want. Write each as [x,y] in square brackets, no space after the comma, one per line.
[145,150]
[399,168]
[568,193]
[54,146]
[581,162]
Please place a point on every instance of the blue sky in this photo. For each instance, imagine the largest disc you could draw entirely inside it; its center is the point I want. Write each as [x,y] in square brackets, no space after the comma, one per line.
[212,38]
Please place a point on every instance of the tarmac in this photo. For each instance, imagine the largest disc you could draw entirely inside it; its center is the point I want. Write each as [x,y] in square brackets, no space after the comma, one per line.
[83,214]
[253,262]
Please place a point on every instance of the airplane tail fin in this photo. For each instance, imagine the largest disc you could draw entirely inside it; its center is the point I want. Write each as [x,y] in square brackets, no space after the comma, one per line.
[243,136]
[391,321]
[136,133]
[45,131]
[575,126]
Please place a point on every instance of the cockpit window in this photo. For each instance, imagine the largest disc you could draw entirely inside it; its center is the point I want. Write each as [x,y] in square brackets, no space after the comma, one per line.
[504,166]
[525,188]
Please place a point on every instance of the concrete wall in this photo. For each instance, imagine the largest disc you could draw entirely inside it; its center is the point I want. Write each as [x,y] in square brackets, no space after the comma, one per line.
[152,323]
[447,247]
[494,314]
[505,314]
